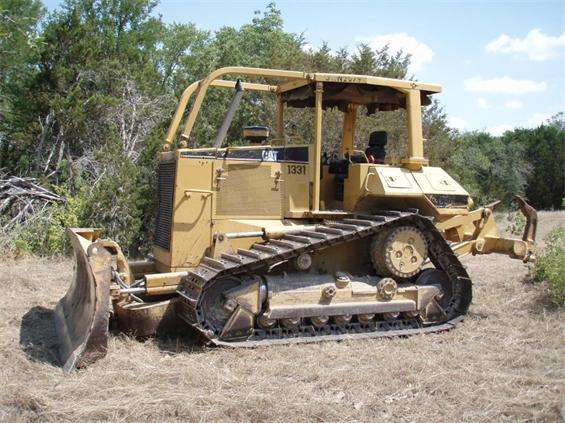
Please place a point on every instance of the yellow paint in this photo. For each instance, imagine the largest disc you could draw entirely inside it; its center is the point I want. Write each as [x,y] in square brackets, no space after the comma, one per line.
[349,121]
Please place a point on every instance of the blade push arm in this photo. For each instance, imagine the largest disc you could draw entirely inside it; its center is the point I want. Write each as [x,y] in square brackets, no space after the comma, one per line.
[477,233]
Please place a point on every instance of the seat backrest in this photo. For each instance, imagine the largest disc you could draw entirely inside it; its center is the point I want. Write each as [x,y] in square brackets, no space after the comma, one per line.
[376,151]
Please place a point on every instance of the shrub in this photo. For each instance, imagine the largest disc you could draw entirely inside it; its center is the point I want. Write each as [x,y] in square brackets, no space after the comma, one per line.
[516,222]
[122,201]
[550,265]
[45,232]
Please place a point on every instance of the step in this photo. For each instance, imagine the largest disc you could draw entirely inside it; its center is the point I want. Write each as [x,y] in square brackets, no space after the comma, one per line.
[266,248]
[213,263]
[297,238]
[248,253]
[358,222]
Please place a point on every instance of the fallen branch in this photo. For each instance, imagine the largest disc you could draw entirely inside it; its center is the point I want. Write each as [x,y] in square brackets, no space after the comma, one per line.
[21,197]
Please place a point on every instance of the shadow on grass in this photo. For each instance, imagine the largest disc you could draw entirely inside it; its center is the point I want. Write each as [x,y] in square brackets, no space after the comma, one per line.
[37,335]
[185,340]
[170,333]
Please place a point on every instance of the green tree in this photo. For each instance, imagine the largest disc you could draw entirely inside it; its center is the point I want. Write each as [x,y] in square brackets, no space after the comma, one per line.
[364,61]
[19,46]
[90,50]
[94,108]
[545,153]
[439,138]
[489,167]
[18,40]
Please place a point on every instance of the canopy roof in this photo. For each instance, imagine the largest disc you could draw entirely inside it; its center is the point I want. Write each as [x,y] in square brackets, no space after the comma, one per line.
[339,94]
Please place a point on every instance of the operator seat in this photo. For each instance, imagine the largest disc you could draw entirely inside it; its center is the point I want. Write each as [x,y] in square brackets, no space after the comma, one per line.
[376,152]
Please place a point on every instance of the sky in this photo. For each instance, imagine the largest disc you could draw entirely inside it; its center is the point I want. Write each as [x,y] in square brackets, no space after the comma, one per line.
[501,63]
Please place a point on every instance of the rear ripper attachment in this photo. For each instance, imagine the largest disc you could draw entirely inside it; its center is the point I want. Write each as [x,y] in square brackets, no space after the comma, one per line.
[235,301]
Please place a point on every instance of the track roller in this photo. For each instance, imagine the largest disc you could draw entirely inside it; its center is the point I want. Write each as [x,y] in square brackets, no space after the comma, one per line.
[290,323]
[365,319]
[319,321]
[342,320]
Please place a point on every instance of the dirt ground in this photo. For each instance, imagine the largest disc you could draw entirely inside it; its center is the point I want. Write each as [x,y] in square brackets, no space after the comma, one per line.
[505,362]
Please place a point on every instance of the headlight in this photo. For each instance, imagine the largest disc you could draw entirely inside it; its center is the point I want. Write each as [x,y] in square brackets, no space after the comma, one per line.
[445,201]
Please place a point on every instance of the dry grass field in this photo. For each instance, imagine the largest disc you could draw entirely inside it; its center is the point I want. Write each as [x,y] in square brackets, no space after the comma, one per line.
[505,362]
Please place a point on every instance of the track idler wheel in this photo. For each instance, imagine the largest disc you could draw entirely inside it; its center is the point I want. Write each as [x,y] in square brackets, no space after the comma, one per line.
[440,278]
[399,251]
[221,312]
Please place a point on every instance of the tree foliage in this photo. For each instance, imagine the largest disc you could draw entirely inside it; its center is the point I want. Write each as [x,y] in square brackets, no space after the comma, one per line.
[527,162]
[490,167]
[545,153]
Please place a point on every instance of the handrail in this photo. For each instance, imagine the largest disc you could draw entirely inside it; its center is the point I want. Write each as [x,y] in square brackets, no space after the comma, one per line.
[187,94]
[205,83]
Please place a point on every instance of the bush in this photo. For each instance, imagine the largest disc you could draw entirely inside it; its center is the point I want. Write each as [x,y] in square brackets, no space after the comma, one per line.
[550,265]
[122,201]
[45,232]
[516,222]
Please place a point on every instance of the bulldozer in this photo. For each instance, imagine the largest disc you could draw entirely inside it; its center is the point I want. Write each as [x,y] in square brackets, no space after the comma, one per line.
[272,241]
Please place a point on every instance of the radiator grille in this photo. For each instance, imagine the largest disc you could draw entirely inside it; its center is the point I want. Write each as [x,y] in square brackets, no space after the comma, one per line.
[166,189]
[249,191]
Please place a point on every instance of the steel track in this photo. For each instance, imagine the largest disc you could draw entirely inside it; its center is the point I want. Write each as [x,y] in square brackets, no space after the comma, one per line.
[262,255]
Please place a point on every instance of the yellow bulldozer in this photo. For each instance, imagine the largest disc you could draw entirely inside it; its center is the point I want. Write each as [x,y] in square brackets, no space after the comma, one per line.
[273,242]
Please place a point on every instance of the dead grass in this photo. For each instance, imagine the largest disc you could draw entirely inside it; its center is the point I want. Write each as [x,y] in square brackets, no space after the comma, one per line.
[504,363]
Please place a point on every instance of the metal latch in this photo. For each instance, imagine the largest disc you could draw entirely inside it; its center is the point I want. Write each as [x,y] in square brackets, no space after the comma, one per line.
[219,177]
[204,192]
[278,178]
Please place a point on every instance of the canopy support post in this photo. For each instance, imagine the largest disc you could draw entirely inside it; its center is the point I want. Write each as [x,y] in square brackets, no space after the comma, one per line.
[415,159]
[349,121]
[317,159]
[280,117]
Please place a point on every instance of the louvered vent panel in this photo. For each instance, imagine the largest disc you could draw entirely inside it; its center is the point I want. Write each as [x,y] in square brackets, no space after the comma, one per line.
[166,189]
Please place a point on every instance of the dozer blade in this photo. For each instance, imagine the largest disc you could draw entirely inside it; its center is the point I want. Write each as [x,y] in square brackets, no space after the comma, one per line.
[82,315]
